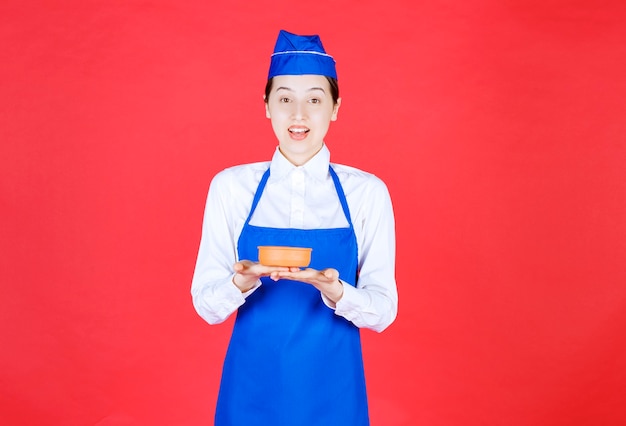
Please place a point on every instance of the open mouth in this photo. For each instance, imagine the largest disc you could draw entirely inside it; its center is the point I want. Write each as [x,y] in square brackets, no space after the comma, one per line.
[298,130]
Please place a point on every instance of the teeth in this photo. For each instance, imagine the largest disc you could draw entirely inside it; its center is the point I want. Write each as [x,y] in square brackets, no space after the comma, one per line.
[298,130]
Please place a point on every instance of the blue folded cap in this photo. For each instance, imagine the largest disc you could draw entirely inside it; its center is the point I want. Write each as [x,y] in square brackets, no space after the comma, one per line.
[298,55]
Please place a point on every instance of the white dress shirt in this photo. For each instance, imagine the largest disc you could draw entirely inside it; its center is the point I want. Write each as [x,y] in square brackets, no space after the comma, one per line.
[302,197]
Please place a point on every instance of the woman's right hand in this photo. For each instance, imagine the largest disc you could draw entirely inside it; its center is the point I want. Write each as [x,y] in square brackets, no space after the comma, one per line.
[247,273]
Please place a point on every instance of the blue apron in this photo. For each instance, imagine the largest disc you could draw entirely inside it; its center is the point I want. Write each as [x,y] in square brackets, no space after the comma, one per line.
[291,361]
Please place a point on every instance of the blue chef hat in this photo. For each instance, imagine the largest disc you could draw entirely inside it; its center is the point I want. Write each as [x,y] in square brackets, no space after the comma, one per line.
[297,55]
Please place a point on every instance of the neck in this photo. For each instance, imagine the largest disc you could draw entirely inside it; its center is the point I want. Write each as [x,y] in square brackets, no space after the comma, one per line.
[299,160]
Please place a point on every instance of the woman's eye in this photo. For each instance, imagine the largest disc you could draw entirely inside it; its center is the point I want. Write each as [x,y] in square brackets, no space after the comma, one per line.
[284,100]
[314,101]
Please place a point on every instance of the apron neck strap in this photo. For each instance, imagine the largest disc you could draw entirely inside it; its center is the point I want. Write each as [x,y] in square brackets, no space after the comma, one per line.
[341,194]
[257,194]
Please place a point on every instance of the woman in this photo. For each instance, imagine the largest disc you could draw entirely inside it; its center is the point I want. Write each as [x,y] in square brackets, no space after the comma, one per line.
[295,353]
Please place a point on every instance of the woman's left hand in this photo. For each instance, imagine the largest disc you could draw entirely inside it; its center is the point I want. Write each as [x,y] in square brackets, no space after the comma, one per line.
[326,280]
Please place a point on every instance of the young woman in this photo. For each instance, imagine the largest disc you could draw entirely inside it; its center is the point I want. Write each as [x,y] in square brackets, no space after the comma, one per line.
[295,353]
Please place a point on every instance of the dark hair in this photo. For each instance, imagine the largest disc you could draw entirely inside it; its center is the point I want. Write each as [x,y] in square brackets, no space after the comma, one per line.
[334,88]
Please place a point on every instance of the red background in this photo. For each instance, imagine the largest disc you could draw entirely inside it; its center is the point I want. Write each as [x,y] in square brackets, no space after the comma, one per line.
[499,127]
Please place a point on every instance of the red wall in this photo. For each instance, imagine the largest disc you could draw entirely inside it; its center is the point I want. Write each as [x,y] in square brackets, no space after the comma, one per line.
[499,127]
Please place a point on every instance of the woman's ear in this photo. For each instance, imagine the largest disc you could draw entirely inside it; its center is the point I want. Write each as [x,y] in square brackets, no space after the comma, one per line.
[267,108]
[335,110]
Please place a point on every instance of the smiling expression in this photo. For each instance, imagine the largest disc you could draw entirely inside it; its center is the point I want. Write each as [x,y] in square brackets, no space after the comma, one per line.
[301,108]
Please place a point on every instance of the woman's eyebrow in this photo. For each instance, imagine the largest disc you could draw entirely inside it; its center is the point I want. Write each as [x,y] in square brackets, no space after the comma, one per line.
[308,90]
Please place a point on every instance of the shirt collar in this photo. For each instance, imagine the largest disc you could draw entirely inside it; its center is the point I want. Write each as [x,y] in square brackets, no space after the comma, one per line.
[316,167]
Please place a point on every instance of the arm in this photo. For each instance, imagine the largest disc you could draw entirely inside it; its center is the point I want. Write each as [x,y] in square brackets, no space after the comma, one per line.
[373,303]
[215,296]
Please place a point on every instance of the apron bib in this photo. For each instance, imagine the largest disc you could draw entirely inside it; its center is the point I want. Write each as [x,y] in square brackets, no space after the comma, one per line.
[291,361]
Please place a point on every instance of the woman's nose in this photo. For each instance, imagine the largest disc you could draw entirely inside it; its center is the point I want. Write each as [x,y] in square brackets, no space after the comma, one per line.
[299,111]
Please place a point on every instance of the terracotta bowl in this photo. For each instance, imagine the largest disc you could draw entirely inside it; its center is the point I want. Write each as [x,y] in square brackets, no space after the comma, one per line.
[285,256]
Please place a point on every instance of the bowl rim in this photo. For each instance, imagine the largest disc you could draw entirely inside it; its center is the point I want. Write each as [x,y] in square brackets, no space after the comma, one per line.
[283,248]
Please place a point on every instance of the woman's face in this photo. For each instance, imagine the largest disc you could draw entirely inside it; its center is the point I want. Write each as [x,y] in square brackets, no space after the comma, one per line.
[301,108]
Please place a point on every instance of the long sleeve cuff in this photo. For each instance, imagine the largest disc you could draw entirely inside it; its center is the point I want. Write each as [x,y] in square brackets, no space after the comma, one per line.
[219,301]
[357,306]
[351,303]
